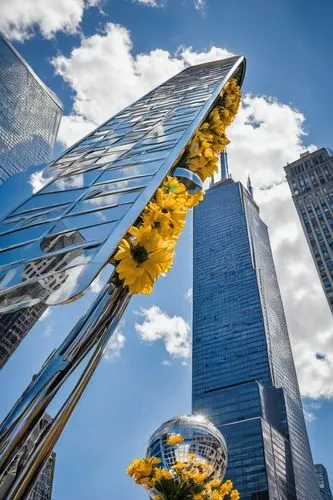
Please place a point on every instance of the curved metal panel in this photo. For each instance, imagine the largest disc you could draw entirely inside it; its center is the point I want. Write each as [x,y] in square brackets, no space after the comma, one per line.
[55,243]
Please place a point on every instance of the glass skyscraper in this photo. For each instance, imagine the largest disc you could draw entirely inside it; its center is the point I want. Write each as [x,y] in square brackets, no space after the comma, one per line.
[324,484]
[310,180]
[30,114]
[244,378]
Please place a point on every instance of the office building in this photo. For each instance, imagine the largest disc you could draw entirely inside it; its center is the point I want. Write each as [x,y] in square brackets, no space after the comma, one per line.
[42,489]
[244,378]
[324,484]
[30,114]
[310,180]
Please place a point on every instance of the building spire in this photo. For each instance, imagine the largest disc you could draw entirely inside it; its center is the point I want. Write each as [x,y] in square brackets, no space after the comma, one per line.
[224,165]
[249,186]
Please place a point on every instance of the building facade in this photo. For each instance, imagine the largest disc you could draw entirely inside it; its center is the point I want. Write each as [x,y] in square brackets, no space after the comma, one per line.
[310,180]
[244,378]
[324,484]
[42,489]
[30,114]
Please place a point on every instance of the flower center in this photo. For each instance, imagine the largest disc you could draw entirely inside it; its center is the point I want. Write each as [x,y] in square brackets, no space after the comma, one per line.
[140,254]
[157,224]
[165,210]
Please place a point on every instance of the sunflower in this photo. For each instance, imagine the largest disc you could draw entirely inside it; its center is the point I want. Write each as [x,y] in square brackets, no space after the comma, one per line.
[172,207]
[154,217]
[142,257]
[194,199]
[173,185]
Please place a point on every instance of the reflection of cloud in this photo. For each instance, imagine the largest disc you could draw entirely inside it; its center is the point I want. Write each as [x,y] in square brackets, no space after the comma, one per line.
[76,181]
[97,285]
[48,330]
[173,330]
[45,314]
[37,181]
[116,343]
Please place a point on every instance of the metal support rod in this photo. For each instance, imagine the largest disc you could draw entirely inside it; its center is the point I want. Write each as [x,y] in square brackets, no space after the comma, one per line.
[95,327]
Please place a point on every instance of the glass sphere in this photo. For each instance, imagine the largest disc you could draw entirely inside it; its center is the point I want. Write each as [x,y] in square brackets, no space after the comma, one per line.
[201,438]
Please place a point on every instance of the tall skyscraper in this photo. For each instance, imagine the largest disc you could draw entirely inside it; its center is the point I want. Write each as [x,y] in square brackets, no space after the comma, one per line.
[324,484]
[244,378]
[30,114]
[42,489]
[310,179]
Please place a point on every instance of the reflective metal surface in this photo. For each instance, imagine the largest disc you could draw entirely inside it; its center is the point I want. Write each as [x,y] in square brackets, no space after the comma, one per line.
[55,243]
[94,329]
[201,438]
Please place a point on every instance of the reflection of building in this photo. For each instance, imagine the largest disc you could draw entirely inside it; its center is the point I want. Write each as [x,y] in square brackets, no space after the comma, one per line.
[324,484]
[30,114]
[311,182]
[42,489]
[15,325]
[244,377]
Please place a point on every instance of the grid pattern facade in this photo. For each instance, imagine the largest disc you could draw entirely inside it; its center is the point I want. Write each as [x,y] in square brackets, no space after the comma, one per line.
[324,484]
[244,377]
[103,183]
[14,327]
[310,180]
[42,489]
[30,115]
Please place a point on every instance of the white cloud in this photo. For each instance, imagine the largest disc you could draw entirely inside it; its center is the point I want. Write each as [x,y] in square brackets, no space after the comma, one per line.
[20,18]
[199,4]
[125,77]
[150,3]
[173,330]
[166,362]
[189,294]
[116,343]
[37,181]
[265,136]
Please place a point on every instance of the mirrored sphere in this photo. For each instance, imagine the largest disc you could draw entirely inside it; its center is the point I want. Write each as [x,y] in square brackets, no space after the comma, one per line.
[201,438]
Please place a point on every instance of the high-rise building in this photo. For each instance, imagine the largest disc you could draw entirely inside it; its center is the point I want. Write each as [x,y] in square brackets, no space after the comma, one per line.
[42,489]
[311,182]
[324,484]
[244,378]
[30,114]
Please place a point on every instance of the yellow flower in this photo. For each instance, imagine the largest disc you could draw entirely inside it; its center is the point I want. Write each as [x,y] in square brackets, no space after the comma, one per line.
[173,208]
[142,257]
[154,216]
[234,495]
[175,439]
[179,467]
[215,483]
[162,474]
[173,185]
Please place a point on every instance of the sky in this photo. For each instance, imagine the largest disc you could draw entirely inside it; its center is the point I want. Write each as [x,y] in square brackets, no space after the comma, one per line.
[99,56]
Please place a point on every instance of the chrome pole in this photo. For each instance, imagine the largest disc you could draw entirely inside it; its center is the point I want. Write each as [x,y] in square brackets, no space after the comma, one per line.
[94,329]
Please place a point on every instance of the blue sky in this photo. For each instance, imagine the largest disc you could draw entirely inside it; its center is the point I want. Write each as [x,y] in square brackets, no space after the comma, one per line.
[99,56]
